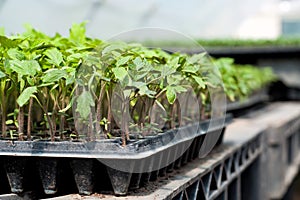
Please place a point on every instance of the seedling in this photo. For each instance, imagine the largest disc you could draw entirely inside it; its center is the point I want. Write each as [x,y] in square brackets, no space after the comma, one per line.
[109,89]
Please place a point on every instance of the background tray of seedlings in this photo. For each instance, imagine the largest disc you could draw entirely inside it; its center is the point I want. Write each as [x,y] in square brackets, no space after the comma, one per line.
[139,112]
[245,85]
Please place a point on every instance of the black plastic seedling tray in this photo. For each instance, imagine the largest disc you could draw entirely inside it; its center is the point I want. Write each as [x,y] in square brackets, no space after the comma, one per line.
[240,107]
[103,165]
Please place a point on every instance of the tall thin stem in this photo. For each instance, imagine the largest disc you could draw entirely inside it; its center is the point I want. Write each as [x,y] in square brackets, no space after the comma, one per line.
[29,121]
[53,118]
[98,111]
[44,106]
[76,122]
[62,121]
[21,122]
[3,108]
[90,134]
[50,123]
[45,110]
[173,115]
[109,113]
[123,125]
[126,115]
[179,118]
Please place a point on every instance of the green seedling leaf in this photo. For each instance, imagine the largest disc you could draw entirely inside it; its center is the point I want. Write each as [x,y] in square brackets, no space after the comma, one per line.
[25,67]
[77,33]
[196,58]
[123,61]
[15,54]
[2,74]
[115,54]
[76,57]
[190,68]
[53,75]
[243,88]
[179,89]
[30,81]
[140,75]
[166,71]
[22,84]
[144,90]
[84,103]
[33,33]
[171,95]
[39,44]
[199,81]
[8,122]
[112,47]
[55,56]
[172,91]
[174,79]
[25,95]
[120,73]
[101,76]
[7,43]
[174,62]
[70,79]
[138,63]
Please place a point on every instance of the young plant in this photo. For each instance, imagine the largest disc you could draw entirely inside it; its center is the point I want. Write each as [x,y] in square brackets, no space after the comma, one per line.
[109,89]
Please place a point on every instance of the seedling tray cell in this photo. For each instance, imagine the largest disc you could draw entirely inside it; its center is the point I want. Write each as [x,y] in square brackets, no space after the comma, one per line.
[126,168]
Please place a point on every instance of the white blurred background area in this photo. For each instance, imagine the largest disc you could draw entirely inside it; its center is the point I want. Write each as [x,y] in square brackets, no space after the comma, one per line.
[248,19]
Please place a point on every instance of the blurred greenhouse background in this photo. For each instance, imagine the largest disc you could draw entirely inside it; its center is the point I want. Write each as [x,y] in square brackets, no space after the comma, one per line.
[196,18]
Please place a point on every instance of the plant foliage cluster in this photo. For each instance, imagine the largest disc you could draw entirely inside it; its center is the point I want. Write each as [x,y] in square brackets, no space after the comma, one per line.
[278,42]
[78,87]
[231,43]
[241,81]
